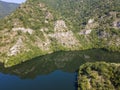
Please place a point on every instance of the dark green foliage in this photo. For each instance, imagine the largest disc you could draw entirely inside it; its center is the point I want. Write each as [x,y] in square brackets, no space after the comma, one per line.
[40,17]
[80,11]
[99,75]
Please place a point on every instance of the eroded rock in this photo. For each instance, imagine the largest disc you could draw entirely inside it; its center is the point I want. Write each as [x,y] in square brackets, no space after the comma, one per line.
[49,16]
[85,32]
[66,39]
[90,21]
[16,48]
[24,30]
[60,26]
[116,24]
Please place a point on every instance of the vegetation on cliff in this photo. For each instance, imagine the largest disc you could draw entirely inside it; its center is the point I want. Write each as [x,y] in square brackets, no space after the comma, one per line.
[99,76]
[41,27]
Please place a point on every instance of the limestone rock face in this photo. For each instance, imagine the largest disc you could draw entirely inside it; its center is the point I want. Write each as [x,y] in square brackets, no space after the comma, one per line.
[60,26]
[49,16]
[40,27]
[117,24]
[24,30]
[16,48]
[90,21]
[85,32]
[66,39]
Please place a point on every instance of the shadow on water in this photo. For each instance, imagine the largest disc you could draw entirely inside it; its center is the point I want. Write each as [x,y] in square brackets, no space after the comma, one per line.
[76,81]
[64,61]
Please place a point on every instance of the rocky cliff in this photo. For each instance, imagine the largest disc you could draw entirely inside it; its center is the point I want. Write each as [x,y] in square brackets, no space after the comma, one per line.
[41,27]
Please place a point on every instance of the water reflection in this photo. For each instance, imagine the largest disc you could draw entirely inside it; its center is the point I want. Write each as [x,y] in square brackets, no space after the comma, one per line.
[65,61]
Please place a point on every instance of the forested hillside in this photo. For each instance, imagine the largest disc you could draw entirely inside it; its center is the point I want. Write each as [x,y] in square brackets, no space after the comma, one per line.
[41,27]
[99,76]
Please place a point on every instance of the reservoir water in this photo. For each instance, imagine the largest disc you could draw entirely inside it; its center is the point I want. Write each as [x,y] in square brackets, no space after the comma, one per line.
[57,71]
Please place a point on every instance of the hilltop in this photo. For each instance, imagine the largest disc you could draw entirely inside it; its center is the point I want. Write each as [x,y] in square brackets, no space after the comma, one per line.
[7,8]
[40,27]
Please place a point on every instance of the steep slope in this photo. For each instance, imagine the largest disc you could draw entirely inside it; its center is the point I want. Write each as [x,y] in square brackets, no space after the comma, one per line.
[7,8]
[40,27]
